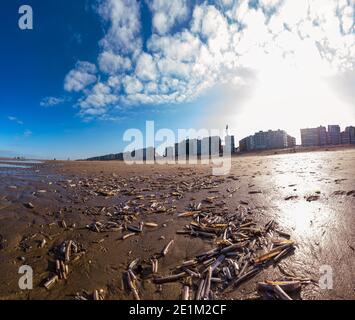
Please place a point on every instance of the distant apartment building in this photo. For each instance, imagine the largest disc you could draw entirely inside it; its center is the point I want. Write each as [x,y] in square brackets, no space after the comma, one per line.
[277,139]
[264,140]
[323,136]
[351,131]
[208,146]
[246,144]
[260,141]
[211,146]
[108,157]
[314,137]
[144,154]
[229,144]
[187,147]
[334,135]
[345,137]
[348,136]
[141,154]
[291,141]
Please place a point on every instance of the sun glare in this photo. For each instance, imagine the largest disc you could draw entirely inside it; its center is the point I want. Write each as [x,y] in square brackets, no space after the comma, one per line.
[293,93]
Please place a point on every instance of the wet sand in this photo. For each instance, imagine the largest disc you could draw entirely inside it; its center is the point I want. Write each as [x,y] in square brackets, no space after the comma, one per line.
[310,195]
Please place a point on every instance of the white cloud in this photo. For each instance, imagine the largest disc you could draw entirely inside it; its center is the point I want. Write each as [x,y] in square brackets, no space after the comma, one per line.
[166,14]
[114,82]
[14,119]
[209,22]
[111,63]
[146,68]
[270,3]
[132,85]
[97,100]
[222,44]
[183,46]
[79,78]
[346,13]
[52,101]
[124,31]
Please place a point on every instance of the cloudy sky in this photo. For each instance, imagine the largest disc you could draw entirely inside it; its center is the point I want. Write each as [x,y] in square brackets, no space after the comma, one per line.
[92,69]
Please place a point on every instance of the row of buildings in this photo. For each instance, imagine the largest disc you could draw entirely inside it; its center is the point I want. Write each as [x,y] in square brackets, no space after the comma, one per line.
[262,140]
[265,140]
[188,148]
[311,137]
[208,146]
[314,137]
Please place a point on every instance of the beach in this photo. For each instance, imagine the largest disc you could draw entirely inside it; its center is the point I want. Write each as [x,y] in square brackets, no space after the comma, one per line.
[310,196]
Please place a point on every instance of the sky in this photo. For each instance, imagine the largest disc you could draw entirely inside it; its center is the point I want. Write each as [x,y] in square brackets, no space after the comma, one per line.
[90,70]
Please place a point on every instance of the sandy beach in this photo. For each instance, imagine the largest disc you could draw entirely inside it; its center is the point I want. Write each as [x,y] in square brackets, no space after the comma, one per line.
[310,196]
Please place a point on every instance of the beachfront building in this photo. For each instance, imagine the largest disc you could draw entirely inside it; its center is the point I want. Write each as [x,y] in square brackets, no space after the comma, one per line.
[334,135]
[246,144]
[188,147]
[276,139]
[265,140]
[312,137]
[348,135]
[351,131]
[317,137]
[345,137]
[229,144]
[140,154]
[211,146]
[291,141]
[208,146]
[108,157]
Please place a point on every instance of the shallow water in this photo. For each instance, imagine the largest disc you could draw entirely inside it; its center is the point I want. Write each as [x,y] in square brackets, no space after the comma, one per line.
[24,161]
[6,165]
[18,164]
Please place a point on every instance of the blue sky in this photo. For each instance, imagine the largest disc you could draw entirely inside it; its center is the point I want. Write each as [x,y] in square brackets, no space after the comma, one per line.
[89,70]
[34,66]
